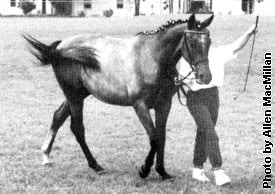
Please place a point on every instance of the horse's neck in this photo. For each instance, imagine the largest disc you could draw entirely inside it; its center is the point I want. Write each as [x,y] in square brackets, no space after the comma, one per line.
[169,46]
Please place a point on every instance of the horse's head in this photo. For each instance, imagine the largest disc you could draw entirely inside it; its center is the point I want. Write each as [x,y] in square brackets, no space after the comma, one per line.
[195,47]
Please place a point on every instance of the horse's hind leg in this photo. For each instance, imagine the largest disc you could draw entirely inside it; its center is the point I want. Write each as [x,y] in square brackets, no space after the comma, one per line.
[60,115]
[78,130]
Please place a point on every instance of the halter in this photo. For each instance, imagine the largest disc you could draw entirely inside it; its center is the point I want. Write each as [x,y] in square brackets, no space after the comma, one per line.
[193,64]
[179,79]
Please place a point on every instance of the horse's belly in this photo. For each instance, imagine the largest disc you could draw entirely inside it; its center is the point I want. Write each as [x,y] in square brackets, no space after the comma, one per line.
[112,98]
[108,89]
[111,95]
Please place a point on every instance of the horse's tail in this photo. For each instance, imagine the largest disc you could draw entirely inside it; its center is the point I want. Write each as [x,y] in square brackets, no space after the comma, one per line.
[47,55]
[50,55]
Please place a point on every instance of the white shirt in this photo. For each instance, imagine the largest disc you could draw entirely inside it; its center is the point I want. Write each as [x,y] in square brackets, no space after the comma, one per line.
[218,57]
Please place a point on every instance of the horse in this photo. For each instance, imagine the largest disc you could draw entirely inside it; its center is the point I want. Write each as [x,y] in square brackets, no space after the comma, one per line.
[138,71]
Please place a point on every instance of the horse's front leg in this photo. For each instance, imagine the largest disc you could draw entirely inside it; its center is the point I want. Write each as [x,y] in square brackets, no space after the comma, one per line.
[162,109]
[156,136]
[145,118]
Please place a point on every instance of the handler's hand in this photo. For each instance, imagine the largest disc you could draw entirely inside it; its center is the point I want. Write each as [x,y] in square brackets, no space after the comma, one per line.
[252,30]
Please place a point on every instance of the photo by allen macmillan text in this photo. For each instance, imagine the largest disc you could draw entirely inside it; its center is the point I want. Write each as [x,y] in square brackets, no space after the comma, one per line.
[267,121]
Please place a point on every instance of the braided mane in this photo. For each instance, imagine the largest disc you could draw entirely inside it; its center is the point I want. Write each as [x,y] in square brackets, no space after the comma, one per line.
[167,25]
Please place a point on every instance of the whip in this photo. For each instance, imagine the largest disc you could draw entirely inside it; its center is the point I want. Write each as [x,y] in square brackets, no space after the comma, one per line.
[249,63]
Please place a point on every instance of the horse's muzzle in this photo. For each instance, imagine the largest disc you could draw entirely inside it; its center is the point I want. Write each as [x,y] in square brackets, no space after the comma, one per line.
[204,78]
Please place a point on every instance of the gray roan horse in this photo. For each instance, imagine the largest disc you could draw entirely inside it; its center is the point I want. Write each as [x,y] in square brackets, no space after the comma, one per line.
[137,71]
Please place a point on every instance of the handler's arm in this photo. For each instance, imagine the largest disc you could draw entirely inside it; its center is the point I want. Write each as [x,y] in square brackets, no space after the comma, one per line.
[241,41]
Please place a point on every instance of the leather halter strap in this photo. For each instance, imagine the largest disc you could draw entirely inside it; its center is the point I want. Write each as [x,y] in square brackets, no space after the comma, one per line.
[180,78]
[196,32]
[193,64]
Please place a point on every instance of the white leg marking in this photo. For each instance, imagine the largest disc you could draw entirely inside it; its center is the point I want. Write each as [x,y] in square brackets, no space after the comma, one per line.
[46,159]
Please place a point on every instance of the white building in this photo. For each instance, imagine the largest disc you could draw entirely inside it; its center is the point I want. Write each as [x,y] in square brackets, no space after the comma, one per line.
[127,7]
[96,7]
[43,7]
[265,8]
[12,7]
[237,7]
[147,7]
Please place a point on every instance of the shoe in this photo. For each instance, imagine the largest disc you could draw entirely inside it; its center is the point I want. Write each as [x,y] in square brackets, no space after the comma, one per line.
[221,178]
[199,175]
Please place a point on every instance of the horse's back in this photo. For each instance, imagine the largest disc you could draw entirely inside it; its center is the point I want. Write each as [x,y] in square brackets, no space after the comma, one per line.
[97,42]
[110,51]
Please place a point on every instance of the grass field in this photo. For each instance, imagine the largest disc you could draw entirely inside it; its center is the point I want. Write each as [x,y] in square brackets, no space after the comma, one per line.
[30,94]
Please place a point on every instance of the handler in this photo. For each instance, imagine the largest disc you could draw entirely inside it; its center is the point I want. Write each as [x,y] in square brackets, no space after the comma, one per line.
[203,104]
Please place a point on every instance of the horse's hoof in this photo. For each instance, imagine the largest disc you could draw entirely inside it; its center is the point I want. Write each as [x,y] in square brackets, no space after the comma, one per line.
[168,177]
[97,168]
[47,164]
[164,175]
[143,173]
[102,172]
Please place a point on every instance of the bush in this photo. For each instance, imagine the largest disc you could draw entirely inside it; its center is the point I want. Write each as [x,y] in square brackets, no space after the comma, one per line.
[108,13]
[81,14]
[27,6]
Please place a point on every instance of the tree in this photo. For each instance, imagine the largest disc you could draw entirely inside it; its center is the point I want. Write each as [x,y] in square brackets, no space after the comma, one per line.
[62,7]
[27,6]
[137,6]
[171,6]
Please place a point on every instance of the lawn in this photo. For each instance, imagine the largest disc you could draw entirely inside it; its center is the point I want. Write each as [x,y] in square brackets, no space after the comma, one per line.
[30,94]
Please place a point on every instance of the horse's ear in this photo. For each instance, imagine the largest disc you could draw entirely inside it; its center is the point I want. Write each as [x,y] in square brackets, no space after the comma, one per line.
[207,22]
[191,22]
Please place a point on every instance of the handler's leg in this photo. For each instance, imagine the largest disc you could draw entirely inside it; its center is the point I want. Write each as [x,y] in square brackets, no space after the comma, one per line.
[198,108]
[202,118]
[201,115]
[214,154]
[214,104]
[207,141]
[200,149]
[220,176]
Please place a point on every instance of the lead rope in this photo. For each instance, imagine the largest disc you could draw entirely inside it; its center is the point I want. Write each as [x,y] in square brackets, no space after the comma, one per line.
[179,82]
[249,63]
[180,88]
